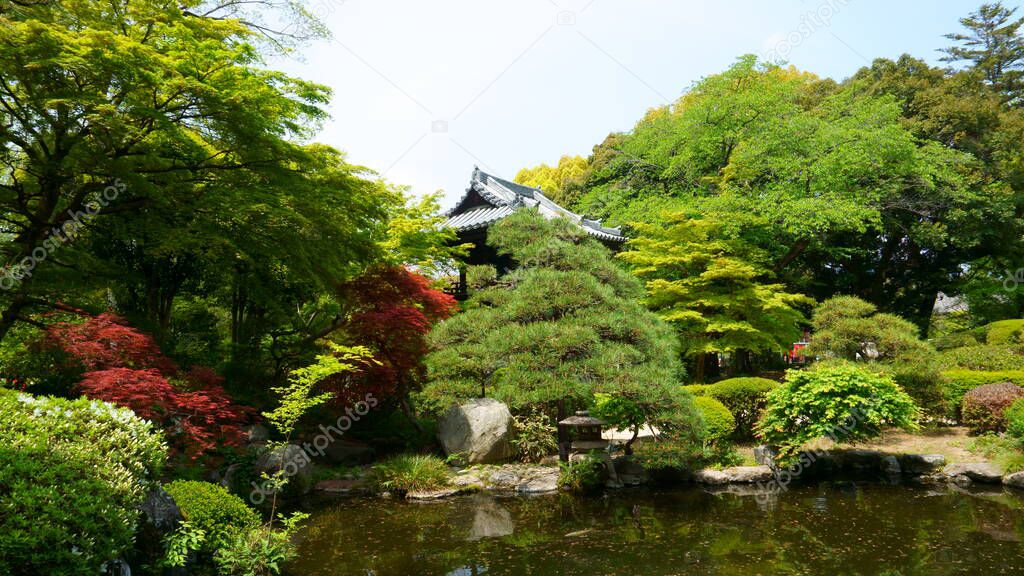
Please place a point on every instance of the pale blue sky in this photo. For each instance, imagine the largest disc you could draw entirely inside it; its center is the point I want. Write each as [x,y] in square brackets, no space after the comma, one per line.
[425,90]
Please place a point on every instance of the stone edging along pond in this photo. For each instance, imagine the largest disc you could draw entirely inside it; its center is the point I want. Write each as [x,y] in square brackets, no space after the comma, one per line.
[534,479]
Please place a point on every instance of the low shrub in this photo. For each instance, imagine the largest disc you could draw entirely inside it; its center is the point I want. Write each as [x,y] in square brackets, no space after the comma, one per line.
[668,455]
[534,436]
[920,376]
[1015,420]
[410,473]
[843,402]
[72,475]
[583,475]
[983,408]
[259,551]
[956,383]
[211,508]
[697,389]
[718,421]
[1005,332]
[745,398]
[986,357]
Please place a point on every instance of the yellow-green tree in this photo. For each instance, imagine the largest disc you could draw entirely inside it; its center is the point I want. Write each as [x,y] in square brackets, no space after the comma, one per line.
[561,182]
[707,281]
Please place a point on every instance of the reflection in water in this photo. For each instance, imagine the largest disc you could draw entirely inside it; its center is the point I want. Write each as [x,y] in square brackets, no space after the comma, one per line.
[827,529]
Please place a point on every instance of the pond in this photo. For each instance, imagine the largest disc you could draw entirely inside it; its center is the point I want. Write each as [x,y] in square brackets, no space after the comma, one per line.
[826,529]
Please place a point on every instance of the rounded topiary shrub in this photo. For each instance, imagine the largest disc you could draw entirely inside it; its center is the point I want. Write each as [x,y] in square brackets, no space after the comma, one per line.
[745,398]
[718,421]
[842,402]
[983,408]
[214,510]
[72,475]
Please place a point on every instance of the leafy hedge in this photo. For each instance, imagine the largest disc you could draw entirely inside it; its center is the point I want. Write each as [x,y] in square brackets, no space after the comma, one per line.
[211,508]
[956,383]
[72,475]
[1005,332]
[984,407]
[843,402]
[989,357]
[745,398]
[718,421]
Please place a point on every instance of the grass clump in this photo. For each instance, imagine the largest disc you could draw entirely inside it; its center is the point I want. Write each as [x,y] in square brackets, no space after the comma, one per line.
[410,473]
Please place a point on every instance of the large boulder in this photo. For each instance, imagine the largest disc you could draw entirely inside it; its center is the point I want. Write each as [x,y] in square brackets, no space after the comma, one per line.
[479,430]
[160,516]
[967,472]
[734,475]
[296,464]
[1015,480]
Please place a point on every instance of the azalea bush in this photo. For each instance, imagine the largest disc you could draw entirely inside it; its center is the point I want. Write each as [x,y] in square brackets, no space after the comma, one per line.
[983,408]
[843,402]
[72,475]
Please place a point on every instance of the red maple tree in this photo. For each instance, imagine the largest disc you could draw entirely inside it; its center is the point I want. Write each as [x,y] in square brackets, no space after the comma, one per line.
[125,366]
[393,309]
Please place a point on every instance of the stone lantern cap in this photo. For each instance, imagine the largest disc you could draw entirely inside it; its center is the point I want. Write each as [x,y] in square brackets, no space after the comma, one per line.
[581,419]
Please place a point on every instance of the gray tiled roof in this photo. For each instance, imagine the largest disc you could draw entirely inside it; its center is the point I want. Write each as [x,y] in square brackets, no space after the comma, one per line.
[504,197]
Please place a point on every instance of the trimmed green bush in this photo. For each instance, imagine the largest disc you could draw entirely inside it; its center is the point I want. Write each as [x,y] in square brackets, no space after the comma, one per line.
[1005,332]
[843,402]
[1015,420]
[214,510]
[72,475]
[697,389]
[956,383]
[409,473]
[745,398]
[718,421]
[983,408]
[987,357]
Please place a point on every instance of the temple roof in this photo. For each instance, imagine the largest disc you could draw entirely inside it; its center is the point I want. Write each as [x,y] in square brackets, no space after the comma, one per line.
[489,199]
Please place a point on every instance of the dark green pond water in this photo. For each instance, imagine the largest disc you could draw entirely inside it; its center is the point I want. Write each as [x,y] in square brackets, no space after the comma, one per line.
[825,529]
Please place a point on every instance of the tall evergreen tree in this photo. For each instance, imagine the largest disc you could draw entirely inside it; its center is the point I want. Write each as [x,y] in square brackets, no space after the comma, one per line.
[994,46]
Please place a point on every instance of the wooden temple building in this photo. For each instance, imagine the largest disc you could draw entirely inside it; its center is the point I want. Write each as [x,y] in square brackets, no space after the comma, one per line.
[487,200]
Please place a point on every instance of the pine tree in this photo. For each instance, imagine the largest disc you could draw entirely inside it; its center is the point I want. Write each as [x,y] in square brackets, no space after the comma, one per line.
[564,325]
[994,46]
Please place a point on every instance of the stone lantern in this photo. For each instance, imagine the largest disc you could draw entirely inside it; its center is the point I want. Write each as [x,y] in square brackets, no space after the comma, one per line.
[583,434]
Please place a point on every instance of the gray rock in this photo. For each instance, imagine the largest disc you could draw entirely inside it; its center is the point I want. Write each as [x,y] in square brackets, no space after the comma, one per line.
[629,472]
[1015,480]
[921,464]
[295,463]
[348,451]
[160,511]
[480,430]
[982,472]
[518,478]
[891,466]
[432,494]
[256,434]
[117,567]
[734,475]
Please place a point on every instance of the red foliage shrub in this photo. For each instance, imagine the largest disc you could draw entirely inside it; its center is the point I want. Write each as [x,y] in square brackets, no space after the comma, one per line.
[126,367]
[107,341]
[393,309]
[983,408]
